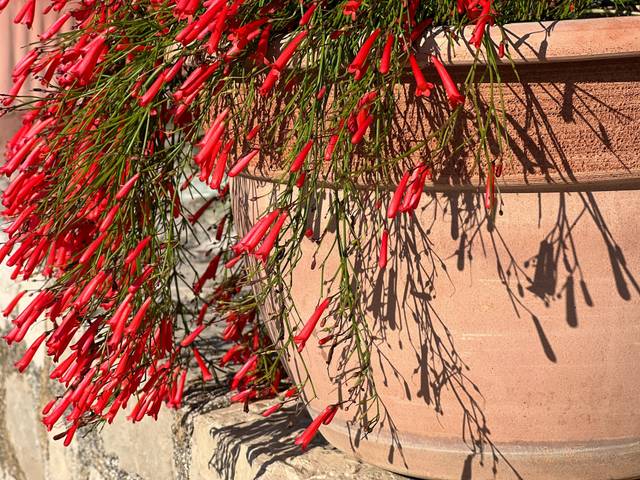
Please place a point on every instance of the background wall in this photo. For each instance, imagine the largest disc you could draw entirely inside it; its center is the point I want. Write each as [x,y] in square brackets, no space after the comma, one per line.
[15,41]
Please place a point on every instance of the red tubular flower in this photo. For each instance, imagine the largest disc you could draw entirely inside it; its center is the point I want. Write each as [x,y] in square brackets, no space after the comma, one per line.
[323,419]
[137,319]
[69,434]
[269,82]
[177,398]
[146,273]
[417,189]
[362,129]
[48,406]
[385,61]
[272,409]
[394,205]
[133,255]
[85,67]
[202,312]
[243,163]
[171,72]
[108,218]
[253,132]
[288,51]
[15,89]
[482,21]
[187,7]
[321,93]
[50,420]
[194,82]
[359,65]
[233,261]
[118,324]
[210,272]
[259,55]
[299,160]
[221,163]
[89,289]
[292,392]
[23,67]
[304,20]
[189,339]
[231,354]
[210,143]
[419,29]
[249,365]
[490,189]
[24,362]
[250,241]
[91,249]
[196,216]
[153,90]
[193,76]
[382,259]
[206,374]
[55,27]
[423,88]
[63,366]
[301,178]
[244,396]
[267,245]
[12,304]
[453,94]
[351,8]
[414,189]
[302,337]
[118,314]
[333,141]
[218,29]
[127,186]
[220,227]
[26,13]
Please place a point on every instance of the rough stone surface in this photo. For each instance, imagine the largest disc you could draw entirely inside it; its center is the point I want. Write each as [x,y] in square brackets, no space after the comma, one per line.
[229,444]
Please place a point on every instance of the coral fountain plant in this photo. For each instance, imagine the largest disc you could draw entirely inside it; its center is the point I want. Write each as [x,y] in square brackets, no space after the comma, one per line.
[141,102]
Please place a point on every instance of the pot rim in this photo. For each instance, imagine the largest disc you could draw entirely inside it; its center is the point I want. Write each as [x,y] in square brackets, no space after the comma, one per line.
[543,42]
[553,183]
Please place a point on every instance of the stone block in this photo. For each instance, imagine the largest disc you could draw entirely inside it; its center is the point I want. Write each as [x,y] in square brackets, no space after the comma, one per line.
[229,444]
[145,448]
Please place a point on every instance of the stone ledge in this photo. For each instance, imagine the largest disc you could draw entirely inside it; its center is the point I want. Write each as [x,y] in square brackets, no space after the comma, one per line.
[230,444]
[205,440]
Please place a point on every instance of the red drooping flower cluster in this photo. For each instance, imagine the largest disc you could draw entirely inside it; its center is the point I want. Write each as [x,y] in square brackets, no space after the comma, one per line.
[105,326]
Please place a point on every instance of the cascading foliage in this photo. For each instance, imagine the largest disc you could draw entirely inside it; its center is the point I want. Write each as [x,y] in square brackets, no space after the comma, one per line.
[139,97]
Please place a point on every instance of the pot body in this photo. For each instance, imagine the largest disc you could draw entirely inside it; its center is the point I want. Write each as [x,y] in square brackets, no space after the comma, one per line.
[513,347]
[508,348]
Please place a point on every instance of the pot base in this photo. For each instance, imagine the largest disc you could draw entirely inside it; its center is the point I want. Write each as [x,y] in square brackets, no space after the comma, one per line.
[453,459]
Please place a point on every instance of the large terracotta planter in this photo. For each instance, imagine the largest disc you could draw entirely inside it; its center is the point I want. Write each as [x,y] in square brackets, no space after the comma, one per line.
[508,350]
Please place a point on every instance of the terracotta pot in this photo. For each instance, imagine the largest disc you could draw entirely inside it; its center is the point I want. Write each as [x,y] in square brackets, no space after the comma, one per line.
[506,349]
